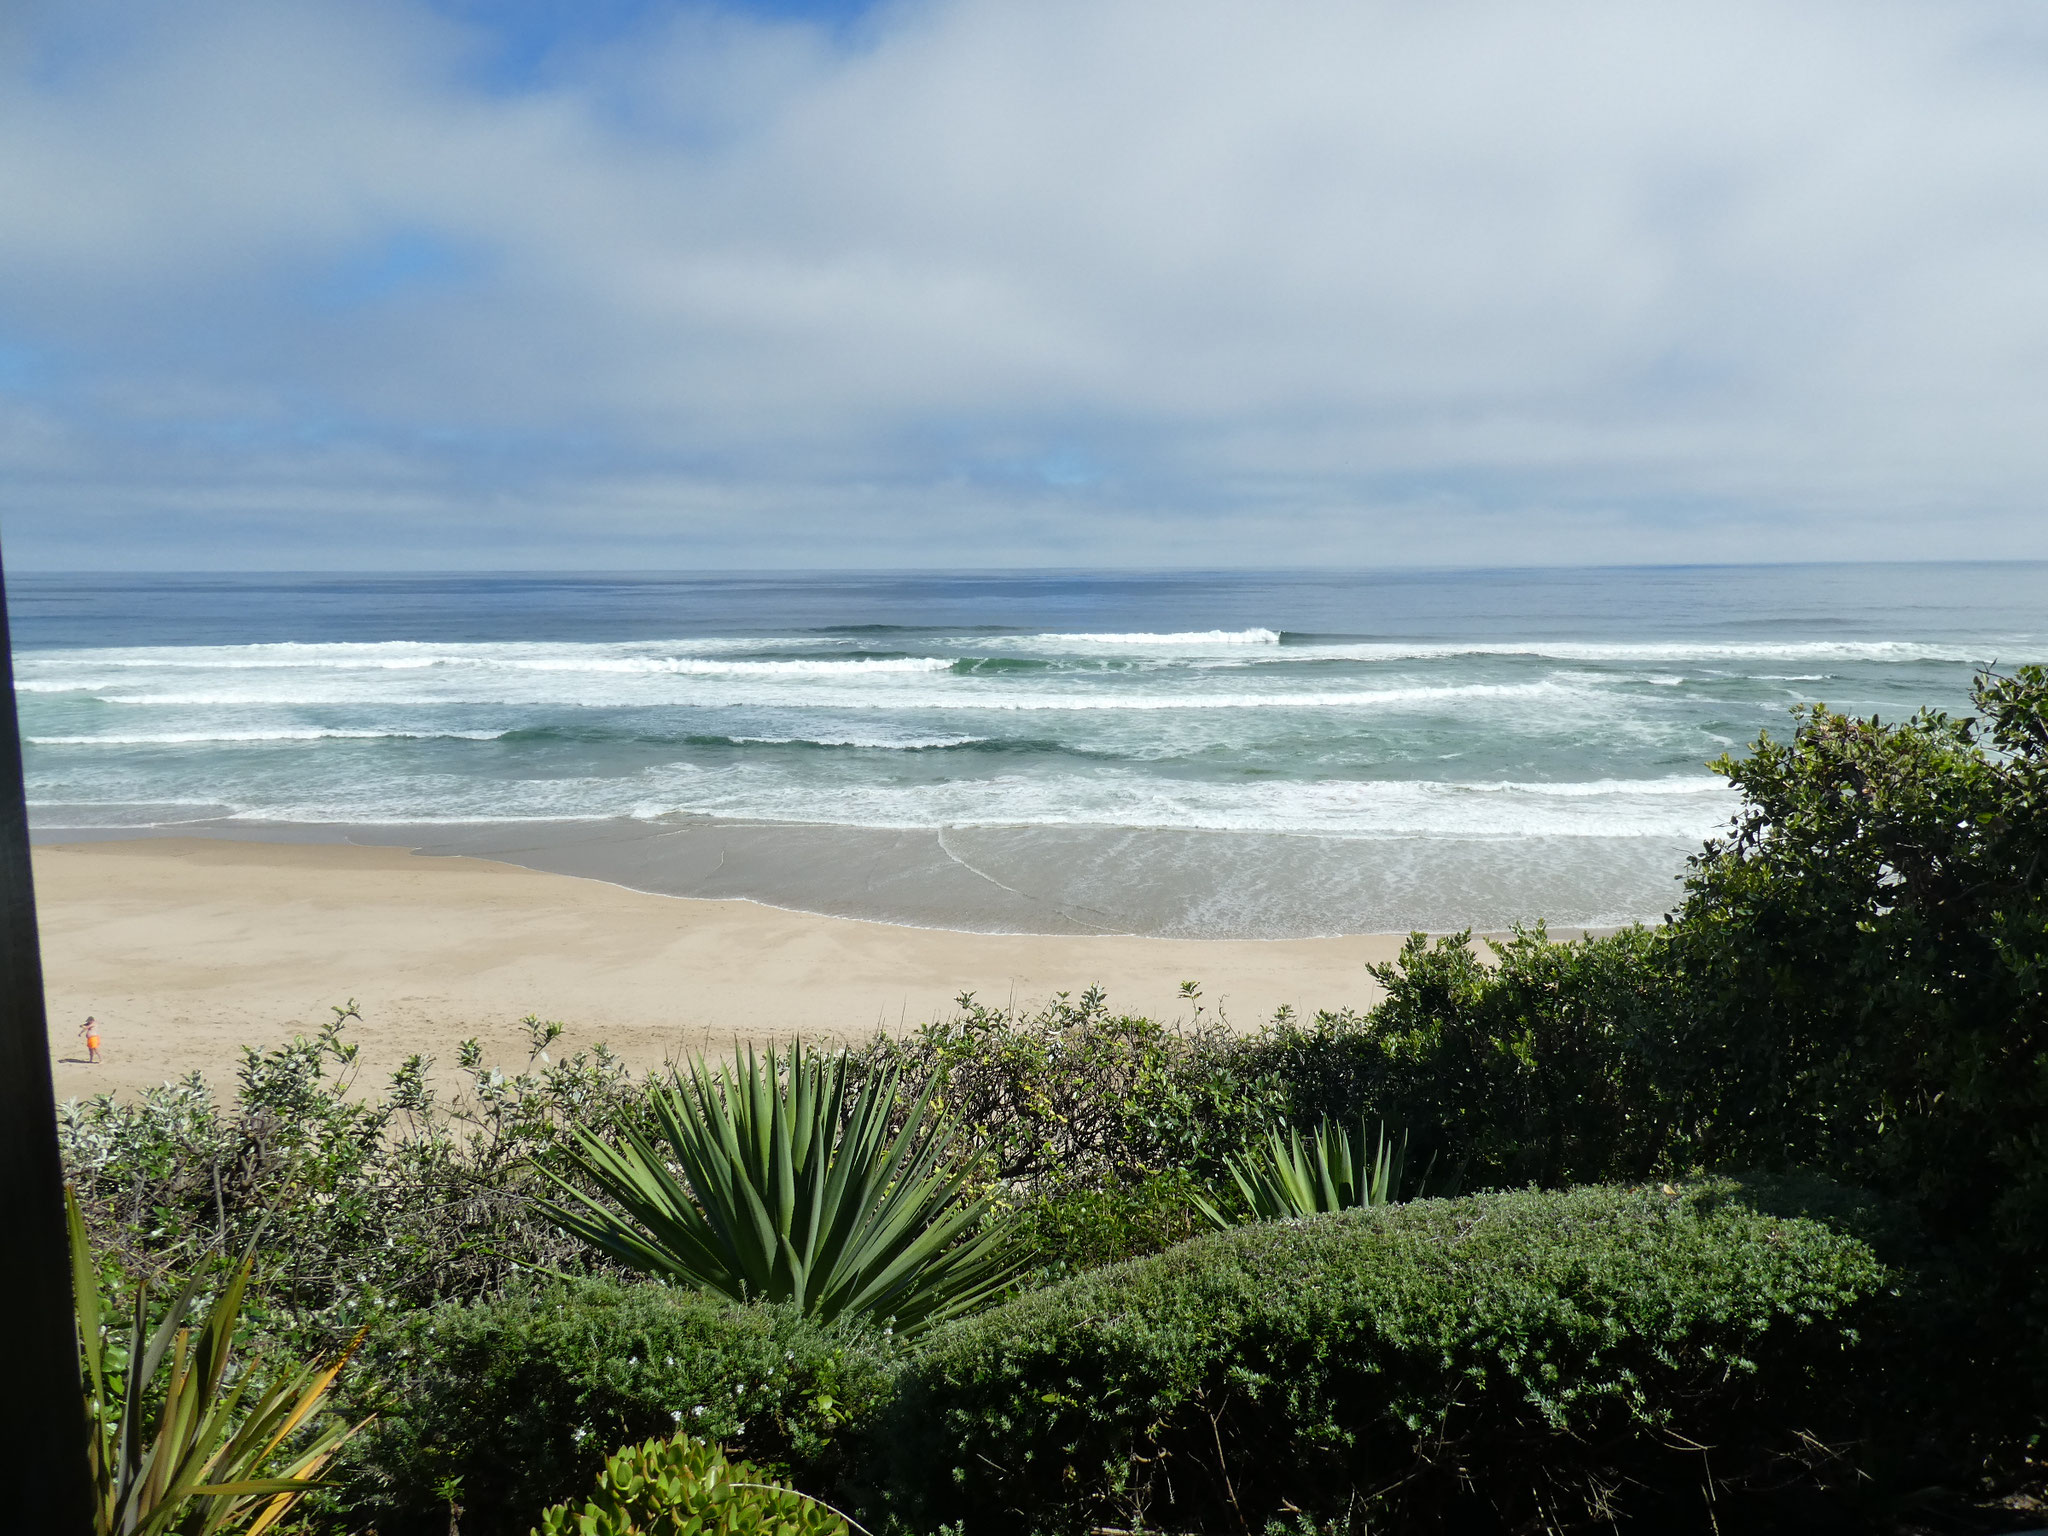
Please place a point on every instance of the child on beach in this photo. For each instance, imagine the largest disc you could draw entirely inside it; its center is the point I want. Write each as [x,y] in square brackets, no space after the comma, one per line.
[91,1030]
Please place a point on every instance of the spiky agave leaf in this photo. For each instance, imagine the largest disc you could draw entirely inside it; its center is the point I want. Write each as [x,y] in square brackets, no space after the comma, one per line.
[788,1192]
[1283,1175]
[208,1468]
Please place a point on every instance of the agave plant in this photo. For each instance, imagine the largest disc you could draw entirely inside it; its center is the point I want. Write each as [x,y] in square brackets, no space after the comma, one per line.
[1282,1174]
[791,1189]
[219,1459]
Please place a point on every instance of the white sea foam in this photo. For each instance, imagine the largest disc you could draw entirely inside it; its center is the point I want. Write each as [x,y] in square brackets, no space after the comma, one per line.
[690,666]
[1425,808]
[1676,809]
[1686,807]
[384,655]
[716,653]
[894,744]
[1229,730]
[962,697]
[1180,640]
[1447,694]
[2020,648]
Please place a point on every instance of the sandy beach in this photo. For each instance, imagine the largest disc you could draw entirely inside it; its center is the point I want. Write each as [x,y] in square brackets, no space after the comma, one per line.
[187,949]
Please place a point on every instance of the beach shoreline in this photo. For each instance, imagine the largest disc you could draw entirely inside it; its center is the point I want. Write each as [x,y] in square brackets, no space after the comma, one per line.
[189,948]
[1039,880]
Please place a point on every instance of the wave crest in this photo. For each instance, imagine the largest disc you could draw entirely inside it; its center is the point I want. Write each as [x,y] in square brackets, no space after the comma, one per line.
[1175,640]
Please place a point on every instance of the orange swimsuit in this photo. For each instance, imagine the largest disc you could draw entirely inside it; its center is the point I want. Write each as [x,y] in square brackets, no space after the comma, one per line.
[92,1042]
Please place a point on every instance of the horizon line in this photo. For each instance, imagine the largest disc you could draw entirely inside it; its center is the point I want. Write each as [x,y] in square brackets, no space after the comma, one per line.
[700,572]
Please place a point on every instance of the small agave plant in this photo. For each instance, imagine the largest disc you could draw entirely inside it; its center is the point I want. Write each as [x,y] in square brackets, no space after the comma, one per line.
[1285,1174]
[768,1181]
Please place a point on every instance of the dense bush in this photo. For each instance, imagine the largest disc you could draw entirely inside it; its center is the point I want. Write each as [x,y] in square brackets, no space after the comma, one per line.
[1531,1067]
[1074,1095]
[1856,981]
[355,1203]
[1865,963]
[506,1407]
[1078,1226]
[1526,1062]
[1505,1361]
[367,1201]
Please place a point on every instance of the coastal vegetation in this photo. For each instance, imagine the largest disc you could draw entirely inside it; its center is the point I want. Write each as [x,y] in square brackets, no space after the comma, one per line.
[1283,1174]
[795,1186]
[1516,1359]
[1750,1233]
[683,1484]
[227,1453]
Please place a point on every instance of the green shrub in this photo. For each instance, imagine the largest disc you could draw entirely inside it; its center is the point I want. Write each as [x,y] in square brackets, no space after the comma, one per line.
[1866,965]
[355,1202]
[1496,1360]
[668,1487]
[1944,1393]
[1533,1067]
[506,1407]
[1063,1231]
[1077,1096]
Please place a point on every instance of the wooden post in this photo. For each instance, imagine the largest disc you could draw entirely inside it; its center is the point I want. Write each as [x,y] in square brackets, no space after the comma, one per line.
[42,1411]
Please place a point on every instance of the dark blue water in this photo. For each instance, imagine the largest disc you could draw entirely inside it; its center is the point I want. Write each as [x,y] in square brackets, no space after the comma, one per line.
[1974,601]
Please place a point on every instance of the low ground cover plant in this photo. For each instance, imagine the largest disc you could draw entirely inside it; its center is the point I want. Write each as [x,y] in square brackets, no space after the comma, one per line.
[683,1484]
[1499,1361]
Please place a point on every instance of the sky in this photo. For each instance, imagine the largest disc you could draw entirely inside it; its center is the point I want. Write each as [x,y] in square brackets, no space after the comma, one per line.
[602,284]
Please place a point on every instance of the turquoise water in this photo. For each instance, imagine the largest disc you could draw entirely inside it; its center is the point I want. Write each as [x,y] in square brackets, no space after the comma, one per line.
[1469,708]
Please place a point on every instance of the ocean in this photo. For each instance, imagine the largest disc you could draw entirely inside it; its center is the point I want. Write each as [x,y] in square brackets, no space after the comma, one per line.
[1197,754]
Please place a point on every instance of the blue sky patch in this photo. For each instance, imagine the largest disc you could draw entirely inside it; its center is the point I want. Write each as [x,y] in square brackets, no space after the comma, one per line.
[403,261]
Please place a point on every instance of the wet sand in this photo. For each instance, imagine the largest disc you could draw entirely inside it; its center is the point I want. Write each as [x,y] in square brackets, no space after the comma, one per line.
[1055,880]
[187,948]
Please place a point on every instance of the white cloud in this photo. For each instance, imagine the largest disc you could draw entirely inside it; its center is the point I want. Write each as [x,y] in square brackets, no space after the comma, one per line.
[1057,282]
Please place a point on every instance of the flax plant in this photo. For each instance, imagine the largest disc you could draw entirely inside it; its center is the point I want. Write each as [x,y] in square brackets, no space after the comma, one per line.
[771,1181]
[220,1459]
